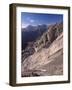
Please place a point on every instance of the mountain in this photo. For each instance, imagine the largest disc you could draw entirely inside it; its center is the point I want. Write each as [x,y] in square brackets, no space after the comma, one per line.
[33,28]
[31,33]
[29,28]
[47,61]
[49,36]
[45,55]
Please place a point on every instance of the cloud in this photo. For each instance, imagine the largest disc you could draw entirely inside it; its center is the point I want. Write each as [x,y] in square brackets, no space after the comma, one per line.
[32,21]
[24,25]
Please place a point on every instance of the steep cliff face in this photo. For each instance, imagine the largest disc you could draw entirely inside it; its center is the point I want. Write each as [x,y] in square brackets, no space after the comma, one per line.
[47,61]
[49,36]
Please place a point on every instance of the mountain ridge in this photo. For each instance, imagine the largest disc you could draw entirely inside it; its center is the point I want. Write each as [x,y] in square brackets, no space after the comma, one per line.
[47,55]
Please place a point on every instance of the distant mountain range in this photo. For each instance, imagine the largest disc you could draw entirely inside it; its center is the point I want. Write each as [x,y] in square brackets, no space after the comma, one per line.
[32,33]
[34,28]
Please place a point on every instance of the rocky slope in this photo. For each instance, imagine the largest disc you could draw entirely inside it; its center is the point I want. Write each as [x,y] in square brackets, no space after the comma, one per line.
[47,61]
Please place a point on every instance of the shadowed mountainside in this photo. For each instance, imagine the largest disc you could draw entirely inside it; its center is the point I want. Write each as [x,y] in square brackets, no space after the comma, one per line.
[47,60]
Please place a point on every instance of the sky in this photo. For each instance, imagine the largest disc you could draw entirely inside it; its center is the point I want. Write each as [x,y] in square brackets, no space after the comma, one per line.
[39,18]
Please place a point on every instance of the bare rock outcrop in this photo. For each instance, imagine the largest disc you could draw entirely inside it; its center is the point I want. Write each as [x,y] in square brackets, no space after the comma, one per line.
[47,61]
[49,36]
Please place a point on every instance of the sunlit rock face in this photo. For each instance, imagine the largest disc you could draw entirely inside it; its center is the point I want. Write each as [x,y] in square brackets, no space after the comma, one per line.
[49,36]
[47,59]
